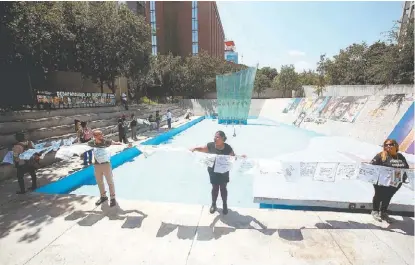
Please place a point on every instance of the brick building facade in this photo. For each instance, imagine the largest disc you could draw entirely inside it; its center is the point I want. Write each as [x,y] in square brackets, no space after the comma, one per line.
[185,28]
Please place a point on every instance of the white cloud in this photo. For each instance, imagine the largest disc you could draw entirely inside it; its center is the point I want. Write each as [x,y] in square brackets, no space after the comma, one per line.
[303,65]
[296,53]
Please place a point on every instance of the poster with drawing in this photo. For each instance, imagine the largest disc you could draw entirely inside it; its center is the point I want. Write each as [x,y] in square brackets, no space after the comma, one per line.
[294,104]
[341,108]
[347,171]
[354,109]
[291,171]
[318,106]
[409,176]
[385,176]
[325,172]
[330,106]
[307,170]
[397,177]
[368,173]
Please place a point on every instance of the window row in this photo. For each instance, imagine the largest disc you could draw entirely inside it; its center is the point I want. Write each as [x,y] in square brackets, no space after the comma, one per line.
[152,16]
[194,12]
[195,48]
[195,24]
[152,5]
[194,4]
[154,50]
[195,36]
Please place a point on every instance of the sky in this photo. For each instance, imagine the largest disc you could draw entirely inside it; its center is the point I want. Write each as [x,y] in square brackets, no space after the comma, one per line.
[279,33]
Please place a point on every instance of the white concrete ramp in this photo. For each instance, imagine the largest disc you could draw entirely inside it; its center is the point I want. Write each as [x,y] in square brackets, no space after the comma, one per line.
[71,230]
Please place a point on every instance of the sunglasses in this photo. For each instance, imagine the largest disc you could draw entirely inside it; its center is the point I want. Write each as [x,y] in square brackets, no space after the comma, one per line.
[391,145]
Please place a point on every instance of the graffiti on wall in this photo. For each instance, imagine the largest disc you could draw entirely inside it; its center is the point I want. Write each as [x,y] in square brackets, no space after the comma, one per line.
[403,132]
[344,109]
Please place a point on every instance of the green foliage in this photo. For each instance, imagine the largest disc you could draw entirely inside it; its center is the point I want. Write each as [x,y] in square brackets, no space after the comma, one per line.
[287,80]
[146,100]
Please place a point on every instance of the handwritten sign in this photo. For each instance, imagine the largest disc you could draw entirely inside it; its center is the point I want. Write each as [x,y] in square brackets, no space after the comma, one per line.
[101,155]
[368,173]
[410,173]
[385,176]
[223,163]
[307,170]
[207,160]
[325,172]
[247,166]
[347,171]
[291,171]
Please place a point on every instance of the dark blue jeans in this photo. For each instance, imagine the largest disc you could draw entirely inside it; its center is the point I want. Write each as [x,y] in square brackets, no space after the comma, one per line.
[86,154]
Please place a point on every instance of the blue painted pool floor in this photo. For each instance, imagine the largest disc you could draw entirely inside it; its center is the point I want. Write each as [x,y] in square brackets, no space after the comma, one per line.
[170,176]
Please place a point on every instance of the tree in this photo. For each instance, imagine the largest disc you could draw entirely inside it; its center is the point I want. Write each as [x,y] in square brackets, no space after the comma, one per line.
[287,80]
[262,82]
[320,81]
[271,73]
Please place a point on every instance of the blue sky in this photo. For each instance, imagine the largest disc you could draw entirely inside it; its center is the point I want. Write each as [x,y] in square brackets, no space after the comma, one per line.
[278,33]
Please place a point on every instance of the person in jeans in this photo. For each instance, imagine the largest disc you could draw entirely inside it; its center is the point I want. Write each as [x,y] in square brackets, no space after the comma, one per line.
[84,136]
[389,157]
[102,166]
[169,119]
[133,125]
[23,166]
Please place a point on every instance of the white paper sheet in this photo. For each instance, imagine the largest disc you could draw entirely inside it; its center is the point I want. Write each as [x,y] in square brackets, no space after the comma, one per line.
[347,171]
[396,177]
[247,166]
[206,160]
[326,172]
[368,173]
[308,169]
[8,158]
[102,155]
[291,171]
[268,166]
[385,176]
[410,173]
[223,163]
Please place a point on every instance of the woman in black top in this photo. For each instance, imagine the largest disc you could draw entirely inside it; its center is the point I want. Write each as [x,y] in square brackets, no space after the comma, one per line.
[218,180]
[389,157]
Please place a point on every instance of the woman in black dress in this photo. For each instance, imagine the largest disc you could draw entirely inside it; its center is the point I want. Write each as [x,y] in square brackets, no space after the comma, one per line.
[218,180]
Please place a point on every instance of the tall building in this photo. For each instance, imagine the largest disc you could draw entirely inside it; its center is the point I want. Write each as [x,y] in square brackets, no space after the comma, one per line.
[407,15]
[185,28]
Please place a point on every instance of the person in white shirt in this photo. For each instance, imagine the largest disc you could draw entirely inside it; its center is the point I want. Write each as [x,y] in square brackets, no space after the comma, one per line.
[169,119]
[124,100]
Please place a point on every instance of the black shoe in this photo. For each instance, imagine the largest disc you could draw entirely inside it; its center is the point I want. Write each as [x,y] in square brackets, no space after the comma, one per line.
[225,209]
[101,200]
[212,208]
[113,202]
[33,188]
[20,192]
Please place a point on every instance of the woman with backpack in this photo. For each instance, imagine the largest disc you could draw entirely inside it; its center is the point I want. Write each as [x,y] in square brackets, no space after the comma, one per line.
[84,135]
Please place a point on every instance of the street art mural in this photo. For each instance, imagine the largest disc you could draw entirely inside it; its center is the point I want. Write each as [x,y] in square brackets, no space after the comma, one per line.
[344,109]
[403,132]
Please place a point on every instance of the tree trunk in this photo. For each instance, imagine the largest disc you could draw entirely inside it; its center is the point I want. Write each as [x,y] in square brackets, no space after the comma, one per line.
[101,84]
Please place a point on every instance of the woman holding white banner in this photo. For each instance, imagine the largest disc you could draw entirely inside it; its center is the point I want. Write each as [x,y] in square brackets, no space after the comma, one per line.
[102,166]
[218,180]
[389,157]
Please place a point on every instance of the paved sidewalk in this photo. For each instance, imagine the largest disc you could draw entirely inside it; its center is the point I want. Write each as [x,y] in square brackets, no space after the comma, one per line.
[46,229]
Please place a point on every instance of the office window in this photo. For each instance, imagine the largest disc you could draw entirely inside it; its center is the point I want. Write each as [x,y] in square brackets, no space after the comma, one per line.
[195,29]
[153,27]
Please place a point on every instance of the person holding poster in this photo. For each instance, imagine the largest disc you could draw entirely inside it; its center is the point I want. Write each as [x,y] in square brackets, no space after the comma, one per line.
[219,181]
[102,166]
[389,157]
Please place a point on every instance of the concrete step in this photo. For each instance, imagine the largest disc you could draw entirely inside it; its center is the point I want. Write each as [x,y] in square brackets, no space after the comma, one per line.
[30,124]
[9,171]
[68,129]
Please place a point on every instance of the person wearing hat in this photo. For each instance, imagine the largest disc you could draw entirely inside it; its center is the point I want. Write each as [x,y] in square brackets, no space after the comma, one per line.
[219,181]
[168,115]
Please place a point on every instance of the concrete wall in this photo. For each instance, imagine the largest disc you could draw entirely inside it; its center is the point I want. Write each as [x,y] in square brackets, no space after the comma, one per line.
[369,119]
[364,90]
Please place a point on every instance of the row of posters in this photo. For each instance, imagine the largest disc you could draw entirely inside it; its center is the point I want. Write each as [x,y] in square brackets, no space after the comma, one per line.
[74,99]
[345,109]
